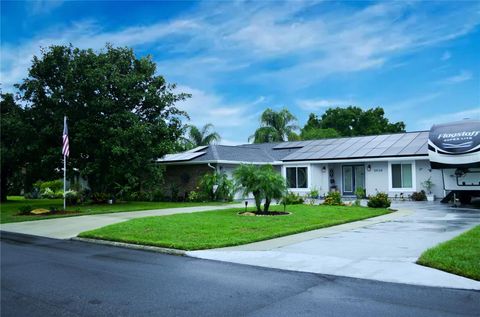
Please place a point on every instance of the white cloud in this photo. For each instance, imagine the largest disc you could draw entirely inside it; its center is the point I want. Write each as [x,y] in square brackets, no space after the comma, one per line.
[232,120]
[224,37]
[446,56]
[44,6]
[473,113]
[316,104]
[413,102]
[455,79]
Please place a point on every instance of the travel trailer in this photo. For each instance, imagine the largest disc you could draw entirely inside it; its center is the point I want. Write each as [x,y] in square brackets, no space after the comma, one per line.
[454,148]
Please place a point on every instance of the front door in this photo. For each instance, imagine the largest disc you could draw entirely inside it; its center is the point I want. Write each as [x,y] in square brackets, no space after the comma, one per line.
[353,178]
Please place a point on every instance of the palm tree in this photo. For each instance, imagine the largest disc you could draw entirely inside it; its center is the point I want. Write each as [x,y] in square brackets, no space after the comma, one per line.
[204,136]
[276,127]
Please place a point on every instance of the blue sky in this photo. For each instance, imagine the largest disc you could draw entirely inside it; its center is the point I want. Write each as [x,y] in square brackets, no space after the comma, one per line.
[418,60]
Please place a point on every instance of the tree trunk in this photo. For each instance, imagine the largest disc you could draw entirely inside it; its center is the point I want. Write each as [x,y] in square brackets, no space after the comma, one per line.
[5,173]
[266,206]
[258,201]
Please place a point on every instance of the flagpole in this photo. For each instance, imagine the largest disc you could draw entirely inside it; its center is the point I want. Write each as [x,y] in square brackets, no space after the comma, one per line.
[64,182]
[65,153]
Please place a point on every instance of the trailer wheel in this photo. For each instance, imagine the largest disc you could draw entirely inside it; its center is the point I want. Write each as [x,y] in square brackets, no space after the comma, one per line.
[465,198]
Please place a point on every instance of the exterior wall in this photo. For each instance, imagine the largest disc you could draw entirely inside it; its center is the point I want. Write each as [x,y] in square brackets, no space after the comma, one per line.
[228,169]
[424,172]
[377,179]
[184,177]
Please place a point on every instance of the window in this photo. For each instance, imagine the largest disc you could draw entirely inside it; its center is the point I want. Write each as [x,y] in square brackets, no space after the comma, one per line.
[297,177]
[402,176]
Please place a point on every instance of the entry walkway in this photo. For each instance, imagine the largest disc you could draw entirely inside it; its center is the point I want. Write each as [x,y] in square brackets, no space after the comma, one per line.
[69,227]
[384,251]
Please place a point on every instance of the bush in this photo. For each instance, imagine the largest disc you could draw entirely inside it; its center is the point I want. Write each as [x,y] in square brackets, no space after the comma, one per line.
[225,190]
[24,210]
[360,193]
[419,196]
[292,198]
[314,193]
[50,194]
[100,198]
[55,185]
[72,197]
[380,200]
[193,196]
[333,199]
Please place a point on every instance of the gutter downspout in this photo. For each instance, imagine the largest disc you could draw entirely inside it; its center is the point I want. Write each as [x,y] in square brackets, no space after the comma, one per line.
[212,167]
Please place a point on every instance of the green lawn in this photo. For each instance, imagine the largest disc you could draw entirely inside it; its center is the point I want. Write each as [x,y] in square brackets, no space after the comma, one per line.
[9,210]
[213,229]
[460,255]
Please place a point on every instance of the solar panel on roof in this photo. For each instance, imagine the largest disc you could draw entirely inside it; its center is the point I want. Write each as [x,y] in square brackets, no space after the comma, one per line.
[366,146]
[198,148]
[185,156]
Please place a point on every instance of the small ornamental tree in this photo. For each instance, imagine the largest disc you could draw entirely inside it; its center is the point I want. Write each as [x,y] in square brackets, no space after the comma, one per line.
[263,182]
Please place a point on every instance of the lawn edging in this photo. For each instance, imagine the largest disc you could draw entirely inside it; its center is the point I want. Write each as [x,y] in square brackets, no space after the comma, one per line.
[132,246]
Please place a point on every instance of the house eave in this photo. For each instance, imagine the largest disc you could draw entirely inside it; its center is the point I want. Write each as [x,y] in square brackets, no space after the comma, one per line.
[363,159]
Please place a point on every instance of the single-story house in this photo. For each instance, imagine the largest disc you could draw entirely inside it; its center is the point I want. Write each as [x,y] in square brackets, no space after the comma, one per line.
[392,163]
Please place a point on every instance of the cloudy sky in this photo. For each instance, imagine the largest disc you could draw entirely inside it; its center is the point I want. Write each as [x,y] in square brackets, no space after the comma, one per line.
[418,60]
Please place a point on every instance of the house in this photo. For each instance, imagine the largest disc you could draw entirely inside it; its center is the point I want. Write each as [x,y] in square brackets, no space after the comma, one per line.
[392,163]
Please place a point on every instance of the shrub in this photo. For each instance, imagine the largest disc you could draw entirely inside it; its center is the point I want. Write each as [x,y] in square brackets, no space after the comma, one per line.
[225,187]
[292,198]
[100,198]
[360,193]
[419,196]
[380,200]
[333,199]
[54,185]
[314,193]
[72,197]
[193,196]
[24,210]
[428,184]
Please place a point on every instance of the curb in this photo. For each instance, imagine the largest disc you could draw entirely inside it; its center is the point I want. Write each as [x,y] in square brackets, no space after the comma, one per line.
[132,246]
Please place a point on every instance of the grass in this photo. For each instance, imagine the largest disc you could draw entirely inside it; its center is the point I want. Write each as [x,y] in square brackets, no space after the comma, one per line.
[460,256]
[9,210]
[213,229]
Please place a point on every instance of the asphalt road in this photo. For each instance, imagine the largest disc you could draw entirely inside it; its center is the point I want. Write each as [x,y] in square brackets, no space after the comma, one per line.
[45,277]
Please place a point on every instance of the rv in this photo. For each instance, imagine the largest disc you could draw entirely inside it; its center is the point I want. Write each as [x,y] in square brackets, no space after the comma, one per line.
[454,148]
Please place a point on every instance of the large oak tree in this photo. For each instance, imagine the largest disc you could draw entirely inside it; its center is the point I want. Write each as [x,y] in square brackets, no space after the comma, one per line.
[352,121]
[121,115]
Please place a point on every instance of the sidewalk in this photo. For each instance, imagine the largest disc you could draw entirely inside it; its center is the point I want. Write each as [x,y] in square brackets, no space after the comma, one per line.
[68,227]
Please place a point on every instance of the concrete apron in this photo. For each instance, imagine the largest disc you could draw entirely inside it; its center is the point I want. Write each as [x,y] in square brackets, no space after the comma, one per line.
[69,227]
[384,248]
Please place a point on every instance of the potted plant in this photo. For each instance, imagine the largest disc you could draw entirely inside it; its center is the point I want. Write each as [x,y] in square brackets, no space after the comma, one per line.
[428,185]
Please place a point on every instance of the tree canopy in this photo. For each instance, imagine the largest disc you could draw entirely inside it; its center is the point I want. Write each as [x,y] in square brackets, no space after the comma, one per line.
[121,115]
[15,141]
[276,127]
[262,181]
[350,121]
[202,136]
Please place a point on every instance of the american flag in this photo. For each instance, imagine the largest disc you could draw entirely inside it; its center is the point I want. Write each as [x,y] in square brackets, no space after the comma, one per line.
[66,147]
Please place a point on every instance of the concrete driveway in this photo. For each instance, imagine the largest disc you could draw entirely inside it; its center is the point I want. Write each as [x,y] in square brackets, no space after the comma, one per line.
[384,251]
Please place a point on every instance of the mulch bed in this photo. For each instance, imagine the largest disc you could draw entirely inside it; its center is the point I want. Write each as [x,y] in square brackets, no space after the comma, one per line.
[269,213]
[55,212]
